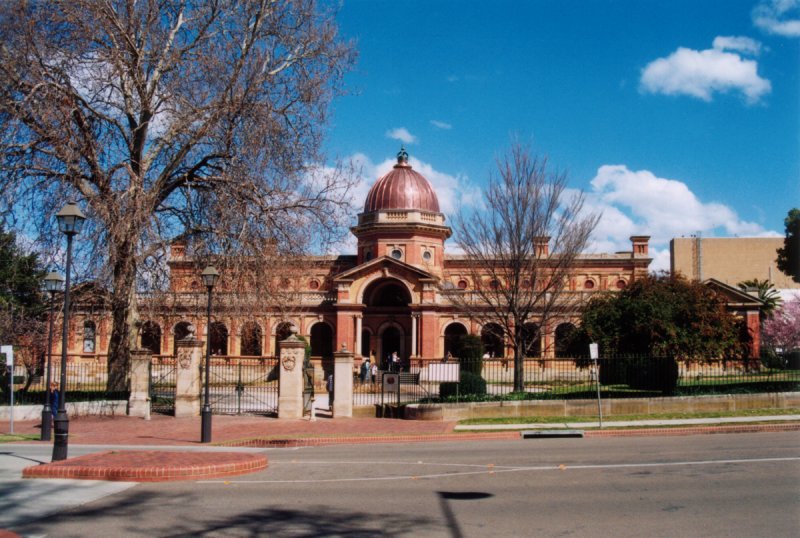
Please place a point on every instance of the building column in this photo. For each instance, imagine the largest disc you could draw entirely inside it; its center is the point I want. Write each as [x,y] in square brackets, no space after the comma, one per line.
[414,350]
[357,350]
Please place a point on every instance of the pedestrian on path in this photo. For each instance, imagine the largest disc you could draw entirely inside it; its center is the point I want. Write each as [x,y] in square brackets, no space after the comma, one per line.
[329,387]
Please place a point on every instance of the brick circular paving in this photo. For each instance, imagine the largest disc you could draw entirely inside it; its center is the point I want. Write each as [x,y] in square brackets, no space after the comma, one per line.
[150,466]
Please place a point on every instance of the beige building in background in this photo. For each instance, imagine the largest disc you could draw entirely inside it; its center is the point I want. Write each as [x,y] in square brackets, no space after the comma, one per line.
[729,259]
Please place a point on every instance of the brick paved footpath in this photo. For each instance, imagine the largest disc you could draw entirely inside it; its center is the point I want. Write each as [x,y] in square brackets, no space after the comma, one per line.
[150,465]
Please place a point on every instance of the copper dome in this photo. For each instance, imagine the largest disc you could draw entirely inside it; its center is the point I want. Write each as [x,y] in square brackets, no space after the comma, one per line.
[402,188]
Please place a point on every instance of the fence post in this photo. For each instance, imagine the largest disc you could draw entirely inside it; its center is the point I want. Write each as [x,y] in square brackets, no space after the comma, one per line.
[139,399]
[343,383]
[187,375]
[290,383]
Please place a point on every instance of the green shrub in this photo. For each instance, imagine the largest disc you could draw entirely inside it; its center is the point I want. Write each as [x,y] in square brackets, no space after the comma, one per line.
[658,373]
[469,385]
[470,354]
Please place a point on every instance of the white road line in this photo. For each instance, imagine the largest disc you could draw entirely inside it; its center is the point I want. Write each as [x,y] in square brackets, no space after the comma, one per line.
[488,469]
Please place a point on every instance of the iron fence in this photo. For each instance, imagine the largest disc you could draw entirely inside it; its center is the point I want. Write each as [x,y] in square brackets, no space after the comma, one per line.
[85,382]
[619,377]
[243,386]
[163,374]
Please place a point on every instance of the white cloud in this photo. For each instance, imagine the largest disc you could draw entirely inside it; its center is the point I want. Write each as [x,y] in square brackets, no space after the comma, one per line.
[641,203]
[742,44]
[701,73]
[441,125]
[401,134]
[779,17]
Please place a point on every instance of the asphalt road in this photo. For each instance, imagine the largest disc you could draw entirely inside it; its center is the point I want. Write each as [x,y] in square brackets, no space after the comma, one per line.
[704,485]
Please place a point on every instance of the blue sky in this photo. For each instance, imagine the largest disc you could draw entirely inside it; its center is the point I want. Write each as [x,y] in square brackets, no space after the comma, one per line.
[674,117]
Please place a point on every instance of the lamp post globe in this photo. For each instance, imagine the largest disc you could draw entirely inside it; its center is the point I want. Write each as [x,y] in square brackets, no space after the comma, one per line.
[210,276]
[53,283]
[70,223]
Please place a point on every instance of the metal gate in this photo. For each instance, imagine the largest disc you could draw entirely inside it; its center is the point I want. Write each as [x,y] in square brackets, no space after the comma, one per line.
[245,388]
[162,386]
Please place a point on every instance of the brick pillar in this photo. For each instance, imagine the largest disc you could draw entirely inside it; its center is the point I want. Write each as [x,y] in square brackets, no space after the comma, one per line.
[343,383]
[187,376]
[139,400]
[290,384]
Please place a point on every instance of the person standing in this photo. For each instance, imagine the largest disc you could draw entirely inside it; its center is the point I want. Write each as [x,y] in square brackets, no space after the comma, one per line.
[329,386]
[374,373]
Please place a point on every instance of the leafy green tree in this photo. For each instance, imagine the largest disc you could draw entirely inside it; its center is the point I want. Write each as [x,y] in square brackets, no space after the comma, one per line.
[664,315]
[22,305]
[766,292]
[789,256]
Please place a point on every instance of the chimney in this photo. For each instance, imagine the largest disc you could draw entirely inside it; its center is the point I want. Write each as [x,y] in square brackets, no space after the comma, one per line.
[541,246]
[639,243]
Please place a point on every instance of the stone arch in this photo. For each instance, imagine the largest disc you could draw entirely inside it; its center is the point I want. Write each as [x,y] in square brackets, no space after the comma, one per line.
[492,338]
[564,345]
[251,340]
[453,333]
[150,337]
[532,340]
[366,339]
[218,338]
[179,331]
[391,337]
[282,331]
[322,340]
[374,283]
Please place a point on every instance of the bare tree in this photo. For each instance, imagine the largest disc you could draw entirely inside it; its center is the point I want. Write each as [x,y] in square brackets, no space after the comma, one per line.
[519,250]
[164,120]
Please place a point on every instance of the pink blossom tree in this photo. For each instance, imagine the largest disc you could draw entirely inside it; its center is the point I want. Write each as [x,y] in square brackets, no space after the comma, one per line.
[782,329]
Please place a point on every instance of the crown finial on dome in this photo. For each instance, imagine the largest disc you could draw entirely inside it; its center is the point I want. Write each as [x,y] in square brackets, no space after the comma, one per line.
[402,157]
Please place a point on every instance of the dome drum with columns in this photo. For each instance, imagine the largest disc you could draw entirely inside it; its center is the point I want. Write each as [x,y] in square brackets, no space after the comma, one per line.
[386,298]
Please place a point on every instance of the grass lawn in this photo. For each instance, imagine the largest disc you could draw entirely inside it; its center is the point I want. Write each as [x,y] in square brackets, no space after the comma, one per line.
[661,416]
[10,438]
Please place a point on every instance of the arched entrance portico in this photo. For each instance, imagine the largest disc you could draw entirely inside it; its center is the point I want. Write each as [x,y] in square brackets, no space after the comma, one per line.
[387,314]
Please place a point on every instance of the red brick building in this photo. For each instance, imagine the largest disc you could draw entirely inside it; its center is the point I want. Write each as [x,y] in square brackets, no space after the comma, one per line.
[387,297]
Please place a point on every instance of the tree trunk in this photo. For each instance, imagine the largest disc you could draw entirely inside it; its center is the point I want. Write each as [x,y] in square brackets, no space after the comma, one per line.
[519,363]
[123,316]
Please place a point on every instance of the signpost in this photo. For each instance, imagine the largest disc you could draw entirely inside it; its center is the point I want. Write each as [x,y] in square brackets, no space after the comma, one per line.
[594,354]
[8,351]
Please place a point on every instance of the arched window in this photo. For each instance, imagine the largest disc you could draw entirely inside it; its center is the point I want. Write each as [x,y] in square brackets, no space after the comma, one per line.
[89,335]
[151,337]
[219,338]
[492,340]
[452,339]
[251,340]
[321,340]
[532,342]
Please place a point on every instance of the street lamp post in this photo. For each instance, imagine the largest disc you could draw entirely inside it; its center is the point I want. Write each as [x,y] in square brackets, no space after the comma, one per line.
[210,276]
[52,283]
[70,223]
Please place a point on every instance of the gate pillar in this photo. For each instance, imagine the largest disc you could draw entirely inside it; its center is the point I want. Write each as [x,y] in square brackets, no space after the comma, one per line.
[343,383]
[187,375]
[139,400]
[290,383]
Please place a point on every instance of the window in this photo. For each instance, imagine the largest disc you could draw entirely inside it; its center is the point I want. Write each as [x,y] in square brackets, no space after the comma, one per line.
[588,285]
[427,256]
[462,284]
[89,337]
[621,284]
[314,285]
[397,254]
